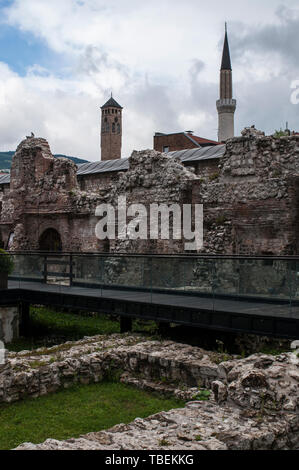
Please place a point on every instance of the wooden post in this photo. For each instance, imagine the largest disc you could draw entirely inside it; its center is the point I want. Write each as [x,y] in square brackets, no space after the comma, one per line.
[71,270]
[125,324]
[163,326]
[24,309]
[45,270]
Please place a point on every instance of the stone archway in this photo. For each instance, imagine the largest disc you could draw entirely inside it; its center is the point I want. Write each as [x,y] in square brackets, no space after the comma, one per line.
[50,240]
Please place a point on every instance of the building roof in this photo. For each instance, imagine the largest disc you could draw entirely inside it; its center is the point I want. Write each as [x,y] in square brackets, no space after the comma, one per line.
[198,141]
[199,154]
[111,103]
[103,167]
[122,164]
[202,141]
[4,179]
[226,63]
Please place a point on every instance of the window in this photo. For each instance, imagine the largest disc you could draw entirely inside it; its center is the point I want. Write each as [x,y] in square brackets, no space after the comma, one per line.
[166,149]
[104,125]
[113,127]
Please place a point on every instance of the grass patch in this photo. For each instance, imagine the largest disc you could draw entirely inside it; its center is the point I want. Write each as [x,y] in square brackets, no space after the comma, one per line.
[202,395]
[50,327]
[75,411]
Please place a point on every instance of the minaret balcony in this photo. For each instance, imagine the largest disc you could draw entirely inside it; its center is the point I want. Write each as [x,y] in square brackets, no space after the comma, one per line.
[226,105]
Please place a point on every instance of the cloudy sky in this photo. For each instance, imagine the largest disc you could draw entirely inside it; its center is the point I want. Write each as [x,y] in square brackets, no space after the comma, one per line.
[60,59]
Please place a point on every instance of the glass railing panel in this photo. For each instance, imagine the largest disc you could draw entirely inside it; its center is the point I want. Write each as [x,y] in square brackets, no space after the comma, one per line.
[198,276]
[294,287]
[27,270]
[168,274]
[87,271]
[128,277]
[57,270]
[249,285]
[123,271]
[226,278]
[198,286]
[184,282]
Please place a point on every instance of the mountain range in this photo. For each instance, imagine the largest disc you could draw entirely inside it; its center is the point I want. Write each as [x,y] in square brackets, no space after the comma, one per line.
[6,159]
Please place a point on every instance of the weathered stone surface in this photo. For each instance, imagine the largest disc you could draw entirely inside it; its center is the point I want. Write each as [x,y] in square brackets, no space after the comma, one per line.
[255,404]
[261,382]
[249,195]
[198,426]
[90,360]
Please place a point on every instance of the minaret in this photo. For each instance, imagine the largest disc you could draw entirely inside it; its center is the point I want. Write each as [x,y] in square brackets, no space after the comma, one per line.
[111,130]
[226,106]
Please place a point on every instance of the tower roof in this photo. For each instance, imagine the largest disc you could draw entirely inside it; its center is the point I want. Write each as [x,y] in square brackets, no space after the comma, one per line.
[111,103]
[226,63]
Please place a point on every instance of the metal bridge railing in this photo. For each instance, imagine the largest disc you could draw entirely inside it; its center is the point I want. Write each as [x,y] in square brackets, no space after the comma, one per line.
[264,279]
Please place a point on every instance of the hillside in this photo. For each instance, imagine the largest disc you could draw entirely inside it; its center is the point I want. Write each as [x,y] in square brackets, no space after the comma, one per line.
[6,159]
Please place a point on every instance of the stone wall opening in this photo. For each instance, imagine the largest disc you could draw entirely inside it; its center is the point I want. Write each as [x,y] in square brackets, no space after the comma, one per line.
[50,240]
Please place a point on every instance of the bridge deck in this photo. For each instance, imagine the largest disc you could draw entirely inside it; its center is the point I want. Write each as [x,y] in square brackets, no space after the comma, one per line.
[254,315]
[256,307]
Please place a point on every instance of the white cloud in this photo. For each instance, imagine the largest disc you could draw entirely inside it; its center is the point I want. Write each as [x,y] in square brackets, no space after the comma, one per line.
[161,60]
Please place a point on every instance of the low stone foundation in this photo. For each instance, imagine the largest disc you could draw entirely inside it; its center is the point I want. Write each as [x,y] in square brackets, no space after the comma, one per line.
[9,324]
[198,426]
[254,402]
[46,370]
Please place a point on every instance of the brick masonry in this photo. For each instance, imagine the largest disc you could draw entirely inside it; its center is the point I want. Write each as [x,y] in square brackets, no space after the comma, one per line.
[250,197]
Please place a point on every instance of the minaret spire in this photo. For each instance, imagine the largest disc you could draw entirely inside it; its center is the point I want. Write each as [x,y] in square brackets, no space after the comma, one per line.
[226,63]
[226,105]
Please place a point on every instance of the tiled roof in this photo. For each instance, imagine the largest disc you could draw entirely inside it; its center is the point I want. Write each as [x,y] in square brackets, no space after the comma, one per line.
[202,141]
[111,103]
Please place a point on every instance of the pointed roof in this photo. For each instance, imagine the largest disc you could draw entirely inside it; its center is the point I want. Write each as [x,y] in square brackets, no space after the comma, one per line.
[226,63]
[111,103]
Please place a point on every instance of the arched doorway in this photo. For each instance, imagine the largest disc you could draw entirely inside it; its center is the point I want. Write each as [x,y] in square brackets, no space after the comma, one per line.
[50,240]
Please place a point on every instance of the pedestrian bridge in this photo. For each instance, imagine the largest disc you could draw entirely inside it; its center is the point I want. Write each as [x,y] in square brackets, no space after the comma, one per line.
[258,295]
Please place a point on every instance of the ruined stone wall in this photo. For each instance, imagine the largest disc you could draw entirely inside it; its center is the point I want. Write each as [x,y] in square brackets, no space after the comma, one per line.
[250,197]
[205,168]
[251,205]
[44,194]
[250,403]
[152,178]
[98,181]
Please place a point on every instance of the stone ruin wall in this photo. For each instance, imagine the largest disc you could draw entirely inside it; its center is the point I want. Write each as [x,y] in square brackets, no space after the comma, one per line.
[251,204]
[98,181]
[253,402]
[250,197]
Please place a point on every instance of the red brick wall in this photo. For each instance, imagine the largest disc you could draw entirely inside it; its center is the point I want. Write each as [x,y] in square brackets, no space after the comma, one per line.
[173,141]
